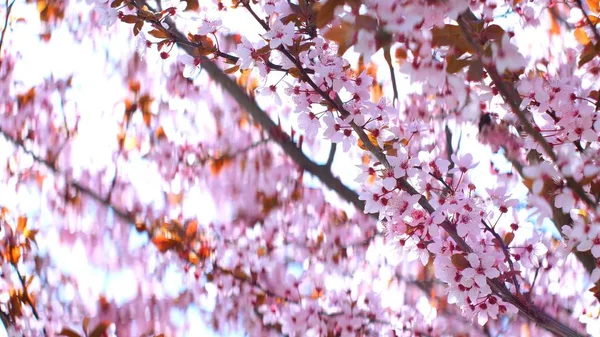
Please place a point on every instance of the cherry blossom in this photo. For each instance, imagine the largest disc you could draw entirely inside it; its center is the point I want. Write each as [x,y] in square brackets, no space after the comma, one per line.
[280,34]
[198,185]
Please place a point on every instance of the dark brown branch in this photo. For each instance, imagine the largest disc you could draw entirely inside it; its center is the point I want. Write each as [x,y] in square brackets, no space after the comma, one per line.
[262,118]
[331,156]
[388,58]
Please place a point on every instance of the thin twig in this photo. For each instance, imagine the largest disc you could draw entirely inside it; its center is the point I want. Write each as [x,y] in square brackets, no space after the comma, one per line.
[387,52]
[8,9]
[331,156]
[27,297]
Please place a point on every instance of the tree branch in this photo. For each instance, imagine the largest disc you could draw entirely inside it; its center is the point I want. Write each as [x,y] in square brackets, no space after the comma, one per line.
[8,9]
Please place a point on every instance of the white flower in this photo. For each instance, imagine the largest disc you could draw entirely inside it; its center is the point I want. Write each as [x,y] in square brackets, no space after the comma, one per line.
[191,65]
[106,16]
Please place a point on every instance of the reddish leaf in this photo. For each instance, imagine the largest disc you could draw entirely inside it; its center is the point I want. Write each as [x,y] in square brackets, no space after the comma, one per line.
[232,70]
[116,3]
[587,54]
[581,36]
[138,27]
[475,72]
[454,65]
[508,238]
[85,324]
[69,333]
[164,243]
[191,229]
[130,18]
[493,32]
[326,11]
[366,22]
[21,224]
[100,329]
[593,5]
[460,261]
[159,34]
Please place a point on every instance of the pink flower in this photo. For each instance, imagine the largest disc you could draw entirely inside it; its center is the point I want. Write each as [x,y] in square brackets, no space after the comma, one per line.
[247,53]
[481,269]
[191,65]
[506,56]
[463,164]
[309,123]
[592,242]
[281,34]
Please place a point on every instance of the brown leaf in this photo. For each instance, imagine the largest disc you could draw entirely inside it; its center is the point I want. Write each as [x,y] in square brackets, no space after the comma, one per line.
[343,35]
[130,18]
[100,329]
[26,98]
[596,290]
[593,5]
[164,243]
[475,72]
[366,22]
[69,333]
[295,72]
[85,324]
[581,36]
[21,224]
[450,35]
[191,229]
[116,3]
[160,133]
[159,34]
[192,5]
[138,27]
[232,70]
[14,254]
[326,11]
[460,261]
[493,32]
[454,64]
[134,85]
[508,238]
[216,165]
[145,102]
[587,54]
